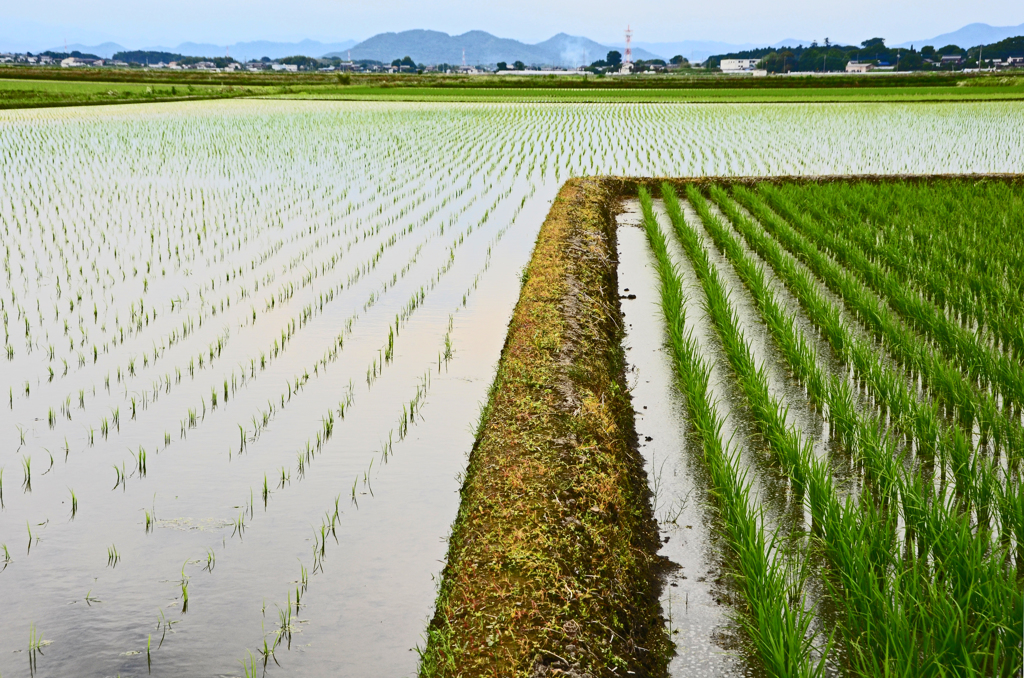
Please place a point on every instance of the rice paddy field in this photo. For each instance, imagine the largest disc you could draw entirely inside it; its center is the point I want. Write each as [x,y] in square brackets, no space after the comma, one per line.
[1009,91]
[847,355]
[244,455]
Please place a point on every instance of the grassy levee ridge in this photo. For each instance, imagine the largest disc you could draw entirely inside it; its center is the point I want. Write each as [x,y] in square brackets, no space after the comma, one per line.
[551,562]
[547,572]
[24,87]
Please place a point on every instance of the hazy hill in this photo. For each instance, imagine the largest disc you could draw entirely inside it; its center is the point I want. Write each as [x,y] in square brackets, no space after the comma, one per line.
[257,49]
[104,51]
[241,51]
[971,34]
[435,47]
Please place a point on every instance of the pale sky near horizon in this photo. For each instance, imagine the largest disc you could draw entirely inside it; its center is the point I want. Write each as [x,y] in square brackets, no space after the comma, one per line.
[134,24]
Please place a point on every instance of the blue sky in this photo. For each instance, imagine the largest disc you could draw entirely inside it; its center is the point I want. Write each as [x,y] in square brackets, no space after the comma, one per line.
[154,22]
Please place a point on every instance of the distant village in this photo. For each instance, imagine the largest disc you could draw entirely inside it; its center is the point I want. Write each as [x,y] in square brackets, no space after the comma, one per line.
[871,56]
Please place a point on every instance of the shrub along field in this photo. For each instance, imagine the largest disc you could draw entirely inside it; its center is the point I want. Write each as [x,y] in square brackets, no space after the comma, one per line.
[906,553]
[244,341]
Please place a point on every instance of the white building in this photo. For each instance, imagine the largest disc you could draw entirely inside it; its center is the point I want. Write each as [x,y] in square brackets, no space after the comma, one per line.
[76,62]
[859,67]
[738,65]
[285,67]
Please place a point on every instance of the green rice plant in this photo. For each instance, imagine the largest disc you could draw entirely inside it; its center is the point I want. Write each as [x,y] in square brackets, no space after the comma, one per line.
[36,643]
[951,388]
[140,462]
[74,502]
[239,527]
[120,477]
[113,557]
[184,589]
[249,669]
[878,630]
[958,345]
[780,631]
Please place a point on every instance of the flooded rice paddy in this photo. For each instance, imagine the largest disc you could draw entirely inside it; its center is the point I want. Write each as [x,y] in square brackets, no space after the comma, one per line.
[246,343]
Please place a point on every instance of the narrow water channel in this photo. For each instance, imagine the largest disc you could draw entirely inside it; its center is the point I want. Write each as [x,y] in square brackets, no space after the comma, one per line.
[695,597]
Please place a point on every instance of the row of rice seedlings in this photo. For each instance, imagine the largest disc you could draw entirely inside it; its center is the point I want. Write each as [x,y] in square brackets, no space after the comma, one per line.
[194,417]
[968,272]
[767,578]
[306,456]
[985,365]
[409,415]
[129,370]
[881,627]
[66,234]
[812,480]
[415,301]
[916,419]
[950,387]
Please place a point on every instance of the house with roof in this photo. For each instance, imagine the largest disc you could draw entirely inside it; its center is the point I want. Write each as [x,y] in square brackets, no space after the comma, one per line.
[859,67]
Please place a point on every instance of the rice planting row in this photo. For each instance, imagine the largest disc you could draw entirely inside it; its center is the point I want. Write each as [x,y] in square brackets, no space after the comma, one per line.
[244,342]
[897,545]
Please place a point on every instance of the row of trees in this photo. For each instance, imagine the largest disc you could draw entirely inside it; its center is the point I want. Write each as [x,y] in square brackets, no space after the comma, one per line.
[829,57]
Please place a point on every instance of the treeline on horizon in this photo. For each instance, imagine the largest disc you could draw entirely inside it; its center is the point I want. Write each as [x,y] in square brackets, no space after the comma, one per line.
[830,57]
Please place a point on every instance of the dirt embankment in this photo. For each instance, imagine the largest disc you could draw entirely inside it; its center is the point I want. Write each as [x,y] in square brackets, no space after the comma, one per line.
[551,567]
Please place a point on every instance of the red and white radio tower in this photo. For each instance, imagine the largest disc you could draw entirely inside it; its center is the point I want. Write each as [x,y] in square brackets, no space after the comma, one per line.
[629,45]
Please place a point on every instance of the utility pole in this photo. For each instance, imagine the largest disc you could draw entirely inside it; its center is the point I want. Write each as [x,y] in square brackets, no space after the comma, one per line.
[629,46]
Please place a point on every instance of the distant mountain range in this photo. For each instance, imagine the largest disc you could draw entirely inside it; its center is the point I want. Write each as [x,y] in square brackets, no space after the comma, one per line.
[480,47]
[433,47]
[969,36]
[243,51]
